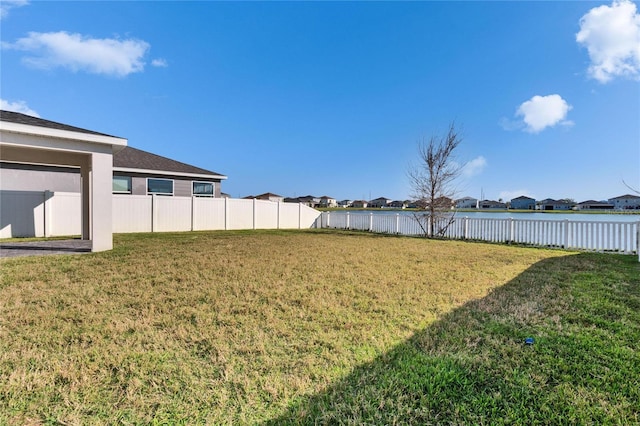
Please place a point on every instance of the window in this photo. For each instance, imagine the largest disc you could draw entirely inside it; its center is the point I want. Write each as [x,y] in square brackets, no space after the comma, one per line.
[160,186]
[203,189]
[121,185]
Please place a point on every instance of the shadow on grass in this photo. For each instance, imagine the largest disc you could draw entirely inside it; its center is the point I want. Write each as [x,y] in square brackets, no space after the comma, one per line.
[472,366]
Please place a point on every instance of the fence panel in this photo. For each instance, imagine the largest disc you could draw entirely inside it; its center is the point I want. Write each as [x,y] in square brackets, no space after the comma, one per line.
[240,214]
[172,214]
[65,214]
[266,214]
[22,214]
[132,213]
[208,213]
[619,237]
[289,215]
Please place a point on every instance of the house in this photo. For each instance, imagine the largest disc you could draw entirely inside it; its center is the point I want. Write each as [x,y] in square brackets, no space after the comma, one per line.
[360,204]
[380,202]
[626,202]
[398,204]
[551,204]
[594,205]
[326,201]
[34,152]
[307,200]
[140,172]
[466,203]
[490,204]
[444,203]
[267,196]
[345,203]
[523,203]
[134,171]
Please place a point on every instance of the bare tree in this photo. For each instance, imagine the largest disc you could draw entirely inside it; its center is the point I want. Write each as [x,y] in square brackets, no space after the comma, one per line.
[432,181]
[630,187]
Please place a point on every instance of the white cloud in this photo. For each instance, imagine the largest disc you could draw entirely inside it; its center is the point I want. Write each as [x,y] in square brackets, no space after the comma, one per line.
[18,106]
[474,167]
[160,62]
[510,195]
[611,34]
[541,112]
[79,53]
[6,5]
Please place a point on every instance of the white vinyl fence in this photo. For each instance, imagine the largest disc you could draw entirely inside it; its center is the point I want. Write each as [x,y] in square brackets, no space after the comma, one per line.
[616,237]
[50,214]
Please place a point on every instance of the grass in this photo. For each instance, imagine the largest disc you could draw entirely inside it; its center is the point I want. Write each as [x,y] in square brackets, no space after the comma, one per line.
[318,327]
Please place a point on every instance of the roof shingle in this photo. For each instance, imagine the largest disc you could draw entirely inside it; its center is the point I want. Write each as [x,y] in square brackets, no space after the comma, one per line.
[19,118]
[133,158]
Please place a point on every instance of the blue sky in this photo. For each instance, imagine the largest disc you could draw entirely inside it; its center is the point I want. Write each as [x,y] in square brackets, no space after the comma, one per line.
[331,98]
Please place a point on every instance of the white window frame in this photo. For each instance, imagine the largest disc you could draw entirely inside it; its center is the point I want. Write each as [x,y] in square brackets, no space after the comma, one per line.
[165,194]
[213,185]
[122,192]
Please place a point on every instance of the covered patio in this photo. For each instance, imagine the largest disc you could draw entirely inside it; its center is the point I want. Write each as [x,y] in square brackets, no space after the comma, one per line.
[31,140]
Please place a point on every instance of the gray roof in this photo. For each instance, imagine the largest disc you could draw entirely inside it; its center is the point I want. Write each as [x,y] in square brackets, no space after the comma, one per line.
[19,118]
[132,158]
[129,158]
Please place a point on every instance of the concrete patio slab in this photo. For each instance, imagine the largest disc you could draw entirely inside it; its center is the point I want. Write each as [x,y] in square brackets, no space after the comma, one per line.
[43,248]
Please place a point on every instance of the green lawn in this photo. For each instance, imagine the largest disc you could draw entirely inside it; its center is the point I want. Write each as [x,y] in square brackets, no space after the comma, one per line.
[319,327]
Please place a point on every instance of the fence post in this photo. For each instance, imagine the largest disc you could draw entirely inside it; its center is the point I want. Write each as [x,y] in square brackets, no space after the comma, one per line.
[193,212]
[254,213]
[397,223]
[348,221]
[511,231]
[370,222]
[466,228]
[226,213]
[638,240]
[154,213]
[328,219]
[567,231]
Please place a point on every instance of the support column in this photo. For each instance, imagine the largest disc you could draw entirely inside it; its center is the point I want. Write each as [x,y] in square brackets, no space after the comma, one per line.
[101,201]
[85,197]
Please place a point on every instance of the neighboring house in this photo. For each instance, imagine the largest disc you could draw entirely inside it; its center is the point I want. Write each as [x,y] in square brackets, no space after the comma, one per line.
[594,205]
[626,202]
[466,203]
[380,202]
[490,204]
[444,203]
[398,204]
[135,172]
[326,201]
[268,196]
[345,203]
[523,203]
[307,200]
[551,204]
[360,204]
[140,172]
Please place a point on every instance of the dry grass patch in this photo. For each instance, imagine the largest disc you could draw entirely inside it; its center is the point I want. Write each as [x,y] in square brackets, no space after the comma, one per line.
[224,327]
